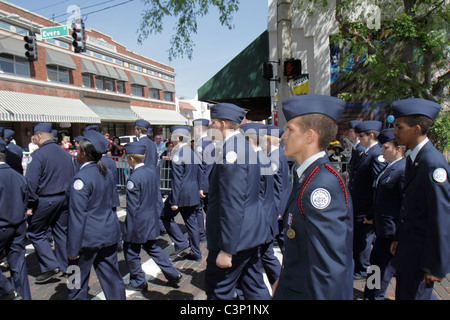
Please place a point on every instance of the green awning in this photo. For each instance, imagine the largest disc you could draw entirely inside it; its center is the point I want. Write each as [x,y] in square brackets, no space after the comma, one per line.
[241,81]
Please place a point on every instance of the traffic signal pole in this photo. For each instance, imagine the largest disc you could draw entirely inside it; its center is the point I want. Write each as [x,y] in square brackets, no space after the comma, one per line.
[284,40]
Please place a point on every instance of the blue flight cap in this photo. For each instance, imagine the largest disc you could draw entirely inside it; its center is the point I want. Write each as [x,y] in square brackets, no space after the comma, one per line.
[100,143]
[55,133]
[201,122]
[228,111]
[44,127]
[386,135]
[183,130]
[368,125]
[408,107]
[8,134]
[78,138]
[274,131]
[2,146]
[254,127]
[352,123]
[91,127]
[135,148]
[1,131]
[142,123]
[313,103]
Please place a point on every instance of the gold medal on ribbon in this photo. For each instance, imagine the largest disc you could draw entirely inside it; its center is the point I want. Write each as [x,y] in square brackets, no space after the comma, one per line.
[290,233]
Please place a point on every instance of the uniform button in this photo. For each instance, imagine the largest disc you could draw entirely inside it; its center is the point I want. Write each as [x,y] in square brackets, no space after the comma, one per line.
[402,220]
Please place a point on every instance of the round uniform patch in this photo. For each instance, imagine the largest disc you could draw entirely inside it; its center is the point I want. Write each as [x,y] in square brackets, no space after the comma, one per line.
[130,185]
[440,175]
[381,159]
[231,157]
[274,167]
[176,159]
[30,158]
[78,184]
[320,198]
[199,149]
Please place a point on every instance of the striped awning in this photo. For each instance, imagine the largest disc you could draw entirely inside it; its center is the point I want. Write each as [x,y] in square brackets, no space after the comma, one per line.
[19,106]
[160,116]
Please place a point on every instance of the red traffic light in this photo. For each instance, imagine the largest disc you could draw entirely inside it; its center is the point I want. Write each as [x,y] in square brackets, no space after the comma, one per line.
[292,68]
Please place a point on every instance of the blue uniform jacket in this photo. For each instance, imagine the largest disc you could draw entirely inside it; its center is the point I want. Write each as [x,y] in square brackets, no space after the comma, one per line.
[317,262]
[49,172]
[368,168]
[354,161]
[92,222]
[424,222]
[282,185]
[151,154]
[205,151]
[235,221]
[13,196]
[144,205]
[14,155]
[267,196]
[112,169]
[184,176]
[387,199]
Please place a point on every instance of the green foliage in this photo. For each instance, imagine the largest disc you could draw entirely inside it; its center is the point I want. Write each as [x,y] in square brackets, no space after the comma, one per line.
[440,131]
[187,12]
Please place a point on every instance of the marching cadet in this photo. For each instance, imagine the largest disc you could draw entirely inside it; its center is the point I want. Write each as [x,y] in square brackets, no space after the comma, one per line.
[422,253]
[13,228]
[317,256]
[255,134]
[93,227]
[357,150]
[387,200]
[280,166]
[143,130]
[205,151]
[14,153]
[370,164]
[235,223]
[141,227]
[184,196]
[49,172]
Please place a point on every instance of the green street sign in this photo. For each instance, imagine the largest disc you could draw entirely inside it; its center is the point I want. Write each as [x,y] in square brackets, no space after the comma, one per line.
[54,32]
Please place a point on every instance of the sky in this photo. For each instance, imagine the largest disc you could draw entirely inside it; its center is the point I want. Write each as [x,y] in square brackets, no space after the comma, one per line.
[215,45]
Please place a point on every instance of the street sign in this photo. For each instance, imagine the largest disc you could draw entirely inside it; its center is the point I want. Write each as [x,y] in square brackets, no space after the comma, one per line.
[54,32]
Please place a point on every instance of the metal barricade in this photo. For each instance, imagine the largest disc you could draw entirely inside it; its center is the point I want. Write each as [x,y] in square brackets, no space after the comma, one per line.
[123,169]
[164,171]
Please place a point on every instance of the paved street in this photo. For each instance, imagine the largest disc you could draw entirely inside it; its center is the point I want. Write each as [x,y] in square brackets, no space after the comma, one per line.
[190,288]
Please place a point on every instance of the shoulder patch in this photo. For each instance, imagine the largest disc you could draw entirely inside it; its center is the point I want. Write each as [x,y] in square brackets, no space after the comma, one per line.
[130,185]
[199,149]
[381,158]
[78,185]
[320,198]
[30,158]
[440,175]
[231,157]
[176,159]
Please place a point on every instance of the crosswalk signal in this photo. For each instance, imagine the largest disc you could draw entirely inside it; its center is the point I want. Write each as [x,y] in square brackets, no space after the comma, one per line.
[78,35]
[31,46]
[292,68]
[267,70]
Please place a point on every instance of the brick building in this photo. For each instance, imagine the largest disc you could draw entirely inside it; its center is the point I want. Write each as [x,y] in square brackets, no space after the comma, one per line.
[107,85]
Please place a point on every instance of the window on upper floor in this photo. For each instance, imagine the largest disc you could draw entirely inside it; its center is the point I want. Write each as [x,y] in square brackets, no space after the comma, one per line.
[86,80]
[136,90]
[120,86]
[99,83]
[14,65]
[153,93]
[58,74]
[167,96]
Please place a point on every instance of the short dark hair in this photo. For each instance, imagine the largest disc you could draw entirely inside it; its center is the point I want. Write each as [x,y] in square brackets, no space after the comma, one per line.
[324,125]
[419,120]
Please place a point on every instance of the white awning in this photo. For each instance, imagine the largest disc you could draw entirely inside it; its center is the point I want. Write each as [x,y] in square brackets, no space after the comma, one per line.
[18,106]
[160,116]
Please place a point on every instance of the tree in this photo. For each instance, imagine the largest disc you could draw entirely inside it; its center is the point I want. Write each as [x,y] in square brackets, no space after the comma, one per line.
[405,54]
[187,12]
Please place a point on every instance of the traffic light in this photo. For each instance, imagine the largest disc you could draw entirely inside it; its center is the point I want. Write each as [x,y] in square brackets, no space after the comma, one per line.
[267,70]
[78,35]
[31,46]
[292,68]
